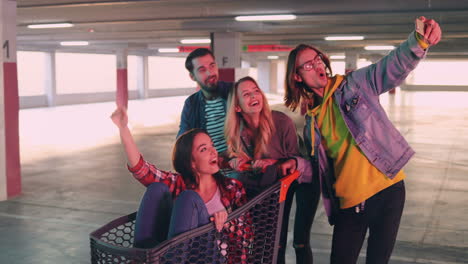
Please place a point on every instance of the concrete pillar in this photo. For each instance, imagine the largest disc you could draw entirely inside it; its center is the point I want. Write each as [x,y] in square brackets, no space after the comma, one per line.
[351,61]
[263,70]
[274,76]
[280,75]
[121,98]
[10,175]
[144,92]
[51,83]
[141,73]
[270,76]
[226,47]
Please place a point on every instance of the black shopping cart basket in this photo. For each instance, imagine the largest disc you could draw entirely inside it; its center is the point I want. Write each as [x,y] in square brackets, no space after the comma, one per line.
[113,243]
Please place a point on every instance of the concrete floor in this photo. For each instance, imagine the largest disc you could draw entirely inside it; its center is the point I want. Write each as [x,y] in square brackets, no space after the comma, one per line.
[75,180]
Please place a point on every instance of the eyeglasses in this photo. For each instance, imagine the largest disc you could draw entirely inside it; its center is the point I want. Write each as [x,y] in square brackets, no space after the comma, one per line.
[312,64]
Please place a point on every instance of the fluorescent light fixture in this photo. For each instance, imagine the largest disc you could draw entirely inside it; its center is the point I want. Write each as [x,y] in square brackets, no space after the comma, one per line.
[74,43]
[273,57]
[337,57]
[168,50]
[51,25]
[265,17]
[383,47]
[195,41]
[331,38]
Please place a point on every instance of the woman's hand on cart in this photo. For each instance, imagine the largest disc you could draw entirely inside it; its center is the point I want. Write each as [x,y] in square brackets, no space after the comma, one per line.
[219,218]
[288,166]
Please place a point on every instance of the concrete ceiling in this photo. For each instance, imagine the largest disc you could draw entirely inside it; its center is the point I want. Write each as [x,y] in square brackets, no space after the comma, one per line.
[142,26]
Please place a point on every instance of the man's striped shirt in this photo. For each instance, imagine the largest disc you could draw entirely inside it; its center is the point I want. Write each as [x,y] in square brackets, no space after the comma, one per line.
[215,115]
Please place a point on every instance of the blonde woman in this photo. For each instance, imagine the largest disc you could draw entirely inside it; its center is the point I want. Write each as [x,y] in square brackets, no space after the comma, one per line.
[262,145]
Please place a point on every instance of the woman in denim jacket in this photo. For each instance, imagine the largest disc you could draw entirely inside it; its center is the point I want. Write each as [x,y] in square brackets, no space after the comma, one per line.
[358,153]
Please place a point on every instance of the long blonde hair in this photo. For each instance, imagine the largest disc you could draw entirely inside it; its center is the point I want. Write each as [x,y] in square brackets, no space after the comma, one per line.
[235,122]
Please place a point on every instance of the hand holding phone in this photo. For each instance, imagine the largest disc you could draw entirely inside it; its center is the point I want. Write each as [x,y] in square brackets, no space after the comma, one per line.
[420,27]
[429,30]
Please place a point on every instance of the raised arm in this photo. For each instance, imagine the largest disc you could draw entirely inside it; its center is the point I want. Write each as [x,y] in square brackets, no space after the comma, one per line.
[145,172]
[392,70]
[120,119]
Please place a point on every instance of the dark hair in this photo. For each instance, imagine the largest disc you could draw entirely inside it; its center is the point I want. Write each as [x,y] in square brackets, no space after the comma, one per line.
[182,159]
[295,90]
[200,52]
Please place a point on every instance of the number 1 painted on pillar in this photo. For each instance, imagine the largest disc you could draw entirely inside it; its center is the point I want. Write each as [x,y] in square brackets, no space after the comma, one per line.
[6,45]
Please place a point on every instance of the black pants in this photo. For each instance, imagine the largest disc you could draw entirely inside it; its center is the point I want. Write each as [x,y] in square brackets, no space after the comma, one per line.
[381,216]
[307,198]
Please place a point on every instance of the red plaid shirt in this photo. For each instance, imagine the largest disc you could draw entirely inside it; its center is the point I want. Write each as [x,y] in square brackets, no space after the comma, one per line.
[232,196]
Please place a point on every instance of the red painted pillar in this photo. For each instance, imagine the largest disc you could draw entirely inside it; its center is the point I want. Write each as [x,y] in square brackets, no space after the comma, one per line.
[121,97]
[227,74]
[10,173]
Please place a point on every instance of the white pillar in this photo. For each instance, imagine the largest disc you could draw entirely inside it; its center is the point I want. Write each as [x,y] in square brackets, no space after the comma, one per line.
[280,75]
[10,176]
[263,70]
[270,76]
[274,76]
[141,73]
[51,82]
[145,92]
[351,61]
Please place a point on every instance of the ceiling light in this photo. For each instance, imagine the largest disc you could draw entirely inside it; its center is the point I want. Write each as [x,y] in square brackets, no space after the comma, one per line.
[266,17]
[168,50]
[195,41]
[337,57]
[379,47]
[331,38]
[52,25]
[273,57]
[74,43]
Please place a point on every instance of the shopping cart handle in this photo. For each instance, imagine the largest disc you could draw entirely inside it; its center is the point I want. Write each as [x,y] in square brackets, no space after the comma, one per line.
[285,183]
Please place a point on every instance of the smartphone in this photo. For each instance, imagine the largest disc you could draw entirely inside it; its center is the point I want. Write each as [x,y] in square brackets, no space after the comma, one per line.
[420,27]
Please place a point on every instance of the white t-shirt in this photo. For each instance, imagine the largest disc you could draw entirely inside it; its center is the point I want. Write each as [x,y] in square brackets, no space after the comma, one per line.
[214,204]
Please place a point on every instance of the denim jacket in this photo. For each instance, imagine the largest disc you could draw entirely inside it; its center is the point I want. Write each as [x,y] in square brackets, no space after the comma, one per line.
[358,100]
[193,113]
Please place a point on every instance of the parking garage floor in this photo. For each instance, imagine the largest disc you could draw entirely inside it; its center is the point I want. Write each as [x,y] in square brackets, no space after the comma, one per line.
[74,178]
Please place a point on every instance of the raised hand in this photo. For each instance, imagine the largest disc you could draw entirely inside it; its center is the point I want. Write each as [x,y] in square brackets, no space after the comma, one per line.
[120,118]
[432,31]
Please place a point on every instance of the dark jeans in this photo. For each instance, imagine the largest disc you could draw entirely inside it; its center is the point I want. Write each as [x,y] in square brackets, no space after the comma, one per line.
[381,216]
[307,198]
[158,219]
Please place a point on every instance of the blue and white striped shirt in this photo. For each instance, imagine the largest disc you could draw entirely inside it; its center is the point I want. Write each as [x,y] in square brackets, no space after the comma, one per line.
[215,116]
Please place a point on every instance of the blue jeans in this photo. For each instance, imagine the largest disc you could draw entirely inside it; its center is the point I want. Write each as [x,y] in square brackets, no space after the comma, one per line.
[158,218]
[189,213]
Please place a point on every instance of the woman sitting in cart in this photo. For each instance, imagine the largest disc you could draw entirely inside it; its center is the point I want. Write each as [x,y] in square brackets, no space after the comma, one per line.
[198,193]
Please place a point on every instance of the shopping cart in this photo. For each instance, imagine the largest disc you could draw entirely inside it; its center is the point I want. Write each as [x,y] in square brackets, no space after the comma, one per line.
[113,243]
